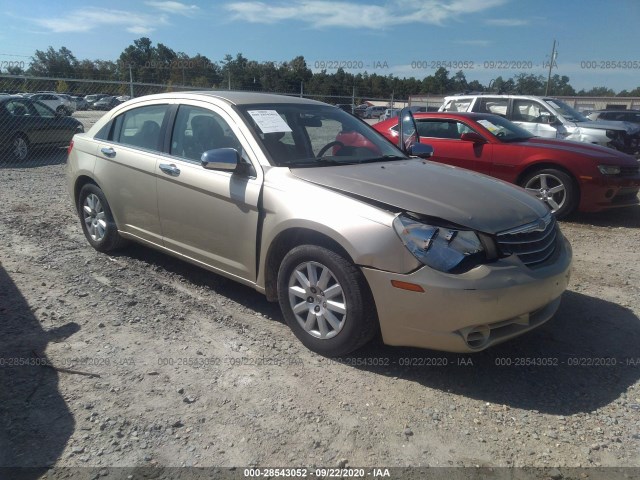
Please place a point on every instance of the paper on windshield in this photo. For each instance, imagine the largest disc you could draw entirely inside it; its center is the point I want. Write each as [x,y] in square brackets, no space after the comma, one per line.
[488,125]
[269,121]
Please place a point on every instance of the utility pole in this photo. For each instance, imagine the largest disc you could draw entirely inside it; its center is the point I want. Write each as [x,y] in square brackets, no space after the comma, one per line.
[130,81]
[353,99]
[551,62]
[301,88]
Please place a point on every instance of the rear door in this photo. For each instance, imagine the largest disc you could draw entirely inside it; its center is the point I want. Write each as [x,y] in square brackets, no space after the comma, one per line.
[126,169]
[53,129]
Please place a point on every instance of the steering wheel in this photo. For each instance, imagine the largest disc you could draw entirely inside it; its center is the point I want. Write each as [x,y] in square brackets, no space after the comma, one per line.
[323,150]
[500,134]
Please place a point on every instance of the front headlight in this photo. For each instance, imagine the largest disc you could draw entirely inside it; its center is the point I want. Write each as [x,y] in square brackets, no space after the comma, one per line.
[609,169]
[441,248]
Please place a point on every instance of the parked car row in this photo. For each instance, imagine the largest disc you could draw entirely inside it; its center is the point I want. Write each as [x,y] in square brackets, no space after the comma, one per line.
[67,104]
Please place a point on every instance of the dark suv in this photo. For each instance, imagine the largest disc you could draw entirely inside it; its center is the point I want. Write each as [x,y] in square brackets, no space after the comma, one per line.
[632,116]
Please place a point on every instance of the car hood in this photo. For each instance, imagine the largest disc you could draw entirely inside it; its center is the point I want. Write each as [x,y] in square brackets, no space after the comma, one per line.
[630,128]
[597,152]
[452,194]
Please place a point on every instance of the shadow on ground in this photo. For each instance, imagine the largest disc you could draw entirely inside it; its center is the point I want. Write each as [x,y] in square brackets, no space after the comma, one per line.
[38,158]
[582,352]
[35,420]
[582,359]
[627,217]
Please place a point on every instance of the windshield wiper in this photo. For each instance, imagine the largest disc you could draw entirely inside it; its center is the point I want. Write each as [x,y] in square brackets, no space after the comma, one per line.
[384,158]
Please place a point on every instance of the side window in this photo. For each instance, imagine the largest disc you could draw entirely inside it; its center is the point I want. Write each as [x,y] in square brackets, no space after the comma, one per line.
[442,129]
[529,111]
[458,105]
[140,127]
[43,111]
[197,130]
[497,106]
[17,108]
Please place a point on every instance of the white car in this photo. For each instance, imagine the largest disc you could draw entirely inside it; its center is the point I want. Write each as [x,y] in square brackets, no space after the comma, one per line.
[57,103]
[388,113]
[550,118]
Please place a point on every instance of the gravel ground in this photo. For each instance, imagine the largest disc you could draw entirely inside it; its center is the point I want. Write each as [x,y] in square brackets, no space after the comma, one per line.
[138,359]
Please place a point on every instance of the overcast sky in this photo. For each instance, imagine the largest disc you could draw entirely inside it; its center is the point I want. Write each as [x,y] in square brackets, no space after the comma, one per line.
[598,42]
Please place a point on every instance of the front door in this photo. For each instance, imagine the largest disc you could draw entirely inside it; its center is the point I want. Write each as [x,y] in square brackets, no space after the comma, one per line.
[209,216]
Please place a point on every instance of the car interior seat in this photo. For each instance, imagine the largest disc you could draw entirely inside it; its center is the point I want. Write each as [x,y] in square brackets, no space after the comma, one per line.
[148,135]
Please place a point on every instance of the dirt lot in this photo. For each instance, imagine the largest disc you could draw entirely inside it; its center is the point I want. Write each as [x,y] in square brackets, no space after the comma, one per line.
[170,365]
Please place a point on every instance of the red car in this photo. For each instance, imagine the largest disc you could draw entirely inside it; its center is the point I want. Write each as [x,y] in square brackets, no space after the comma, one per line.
[567,175]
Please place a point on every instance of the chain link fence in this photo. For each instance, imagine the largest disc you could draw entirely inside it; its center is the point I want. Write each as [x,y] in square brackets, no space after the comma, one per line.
[40,115]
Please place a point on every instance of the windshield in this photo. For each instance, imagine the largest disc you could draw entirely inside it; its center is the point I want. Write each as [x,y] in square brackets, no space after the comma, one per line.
[304,135]
[566,111]
[503,129]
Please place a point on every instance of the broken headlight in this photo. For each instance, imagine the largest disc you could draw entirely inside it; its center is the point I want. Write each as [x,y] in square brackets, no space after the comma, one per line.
[442,248]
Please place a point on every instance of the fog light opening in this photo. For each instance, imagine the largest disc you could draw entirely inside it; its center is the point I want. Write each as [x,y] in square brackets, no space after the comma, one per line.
[609,194]
[477,337]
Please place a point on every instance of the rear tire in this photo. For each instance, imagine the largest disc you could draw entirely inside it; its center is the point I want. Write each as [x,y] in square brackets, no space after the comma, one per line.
[325,301]
[20,148]
[556,188]
[97,220]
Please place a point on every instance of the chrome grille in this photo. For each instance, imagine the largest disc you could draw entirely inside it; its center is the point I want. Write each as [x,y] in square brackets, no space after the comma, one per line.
[533,243]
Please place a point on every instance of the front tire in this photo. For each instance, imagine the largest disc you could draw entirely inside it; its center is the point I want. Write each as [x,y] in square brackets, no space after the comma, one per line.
[556,188]
[325,301]
[97,220]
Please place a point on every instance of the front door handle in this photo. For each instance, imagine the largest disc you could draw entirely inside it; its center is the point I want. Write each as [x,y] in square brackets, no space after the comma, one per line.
[108,152]
[170,169]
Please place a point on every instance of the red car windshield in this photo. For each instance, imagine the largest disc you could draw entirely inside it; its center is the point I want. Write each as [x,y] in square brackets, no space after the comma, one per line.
[503,129]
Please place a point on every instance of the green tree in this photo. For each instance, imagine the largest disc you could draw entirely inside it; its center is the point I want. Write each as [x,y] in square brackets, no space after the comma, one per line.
[529,84]
[52,63]
[62,86]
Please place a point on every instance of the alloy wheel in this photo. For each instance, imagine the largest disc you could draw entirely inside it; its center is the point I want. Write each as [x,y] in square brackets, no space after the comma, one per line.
[317,300]
[20,148]
[94,217]
[549,189]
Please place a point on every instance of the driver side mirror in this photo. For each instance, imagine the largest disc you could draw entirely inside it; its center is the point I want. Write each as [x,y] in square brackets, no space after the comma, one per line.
[472,137]
[408,138]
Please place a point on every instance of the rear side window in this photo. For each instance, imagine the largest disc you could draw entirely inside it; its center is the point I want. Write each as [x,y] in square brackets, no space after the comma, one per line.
[460,105]
[140,127]
[497,106]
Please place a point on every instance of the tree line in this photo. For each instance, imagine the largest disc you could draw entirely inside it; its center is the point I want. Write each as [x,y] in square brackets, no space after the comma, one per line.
[158,64]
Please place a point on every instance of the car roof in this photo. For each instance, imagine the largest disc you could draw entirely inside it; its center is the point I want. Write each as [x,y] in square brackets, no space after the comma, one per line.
[234,97]
[621,110]
[499,95]
[470,115]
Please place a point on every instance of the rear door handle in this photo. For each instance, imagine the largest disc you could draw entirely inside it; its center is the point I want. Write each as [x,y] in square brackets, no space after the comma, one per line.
[108,152]
[170,169]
